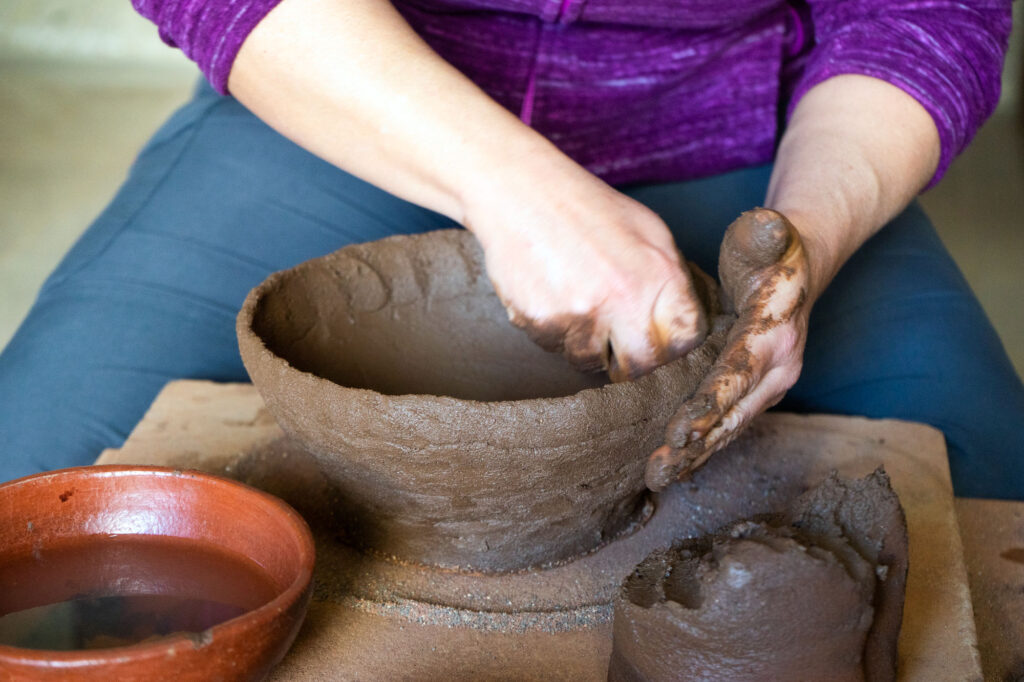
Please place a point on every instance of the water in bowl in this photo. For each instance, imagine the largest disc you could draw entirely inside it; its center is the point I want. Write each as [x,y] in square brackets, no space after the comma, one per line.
[106,591]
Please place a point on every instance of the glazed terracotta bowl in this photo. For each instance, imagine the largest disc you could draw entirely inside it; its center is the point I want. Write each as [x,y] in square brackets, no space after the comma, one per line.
[451,438]
[152,535]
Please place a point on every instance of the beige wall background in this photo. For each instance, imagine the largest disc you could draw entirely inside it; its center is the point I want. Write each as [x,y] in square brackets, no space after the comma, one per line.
[84,83]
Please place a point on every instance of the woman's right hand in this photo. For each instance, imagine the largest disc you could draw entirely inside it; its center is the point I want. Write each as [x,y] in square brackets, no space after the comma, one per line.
[585,270]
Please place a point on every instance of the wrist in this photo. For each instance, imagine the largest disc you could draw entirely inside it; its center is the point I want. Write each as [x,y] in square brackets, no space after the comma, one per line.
[823,258]
[523,170]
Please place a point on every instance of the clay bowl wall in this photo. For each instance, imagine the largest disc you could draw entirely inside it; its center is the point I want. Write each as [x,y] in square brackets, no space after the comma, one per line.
[450,437]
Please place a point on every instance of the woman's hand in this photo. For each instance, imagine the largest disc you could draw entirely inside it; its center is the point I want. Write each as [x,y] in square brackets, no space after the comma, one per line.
[855,153]
[584,269]
[765,276]
[587,271]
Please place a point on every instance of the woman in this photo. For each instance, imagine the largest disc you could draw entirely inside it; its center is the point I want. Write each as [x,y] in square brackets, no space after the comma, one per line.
[584,142]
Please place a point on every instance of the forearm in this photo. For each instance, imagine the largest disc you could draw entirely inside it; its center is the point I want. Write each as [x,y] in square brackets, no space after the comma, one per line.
[582,268]
[855,153]
[352,83]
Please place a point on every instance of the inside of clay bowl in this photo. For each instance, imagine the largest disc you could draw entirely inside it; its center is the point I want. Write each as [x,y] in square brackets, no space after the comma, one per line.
[410,321]
[449,436]
[147,573]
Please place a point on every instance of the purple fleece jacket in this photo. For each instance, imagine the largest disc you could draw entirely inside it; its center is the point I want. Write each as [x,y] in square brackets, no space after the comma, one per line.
[661,90]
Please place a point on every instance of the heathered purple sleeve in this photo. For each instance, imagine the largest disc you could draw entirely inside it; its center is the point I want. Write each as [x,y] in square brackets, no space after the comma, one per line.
[947,55]
[209,32]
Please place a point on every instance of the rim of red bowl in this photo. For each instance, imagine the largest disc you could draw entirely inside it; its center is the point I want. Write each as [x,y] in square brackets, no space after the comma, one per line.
[246,621]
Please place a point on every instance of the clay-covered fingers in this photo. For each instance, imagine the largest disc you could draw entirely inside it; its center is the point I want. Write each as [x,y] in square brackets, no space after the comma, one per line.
[735,373]
[699,425]
[670,324]
[580,338]
[764,277]
[598,279]
[668,463]
[679,322]
[586,345]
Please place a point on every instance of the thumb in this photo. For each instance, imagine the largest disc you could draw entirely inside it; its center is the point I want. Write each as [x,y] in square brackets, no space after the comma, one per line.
[755,241]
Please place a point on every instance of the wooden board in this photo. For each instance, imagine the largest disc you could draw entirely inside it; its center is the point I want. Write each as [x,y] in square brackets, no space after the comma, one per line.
[993,535]
[216,428]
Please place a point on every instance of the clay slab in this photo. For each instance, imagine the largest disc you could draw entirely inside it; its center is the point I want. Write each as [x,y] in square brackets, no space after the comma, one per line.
[557,625]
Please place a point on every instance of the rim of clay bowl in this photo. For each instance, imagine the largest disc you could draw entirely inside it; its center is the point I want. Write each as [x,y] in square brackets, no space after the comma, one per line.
[244,327]
[250,620]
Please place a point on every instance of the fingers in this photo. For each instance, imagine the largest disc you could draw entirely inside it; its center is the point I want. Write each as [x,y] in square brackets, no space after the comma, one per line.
[676,324]
[577,337]
[679,322]
[628,322]
[733,376]
[767,393]
[764,277]
[706,290]
[586,346]
[671,462]
[631,355]
[663,467]
[737,372]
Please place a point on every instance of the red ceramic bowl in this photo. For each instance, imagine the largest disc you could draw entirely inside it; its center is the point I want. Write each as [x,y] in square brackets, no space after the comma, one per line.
[99,530]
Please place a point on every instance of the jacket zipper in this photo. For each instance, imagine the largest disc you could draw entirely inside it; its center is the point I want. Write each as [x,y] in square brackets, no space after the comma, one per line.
[529,95]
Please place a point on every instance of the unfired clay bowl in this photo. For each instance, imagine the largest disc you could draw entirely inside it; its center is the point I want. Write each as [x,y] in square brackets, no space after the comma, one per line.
[451,438]
[41,514]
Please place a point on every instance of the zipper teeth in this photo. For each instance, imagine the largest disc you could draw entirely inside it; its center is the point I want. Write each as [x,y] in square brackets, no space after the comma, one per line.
[562,9]
[526,111]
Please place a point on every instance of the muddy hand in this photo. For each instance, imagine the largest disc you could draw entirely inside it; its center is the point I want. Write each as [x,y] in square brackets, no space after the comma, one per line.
[596,277]
[764,275]
[627,342]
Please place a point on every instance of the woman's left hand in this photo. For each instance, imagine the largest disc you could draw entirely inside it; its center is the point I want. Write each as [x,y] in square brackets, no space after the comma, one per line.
[765,280]
[855,152]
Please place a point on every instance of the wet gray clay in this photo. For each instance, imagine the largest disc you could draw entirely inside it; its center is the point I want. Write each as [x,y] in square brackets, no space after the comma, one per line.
[450,437]
[814,594]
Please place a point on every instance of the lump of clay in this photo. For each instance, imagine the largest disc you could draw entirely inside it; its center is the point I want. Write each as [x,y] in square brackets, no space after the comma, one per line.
[812,594]
[449,437]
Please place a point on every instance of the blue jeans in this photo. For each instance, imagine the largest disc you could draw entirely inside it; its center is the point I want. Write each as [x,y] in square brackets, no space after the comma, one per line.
[216,201]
